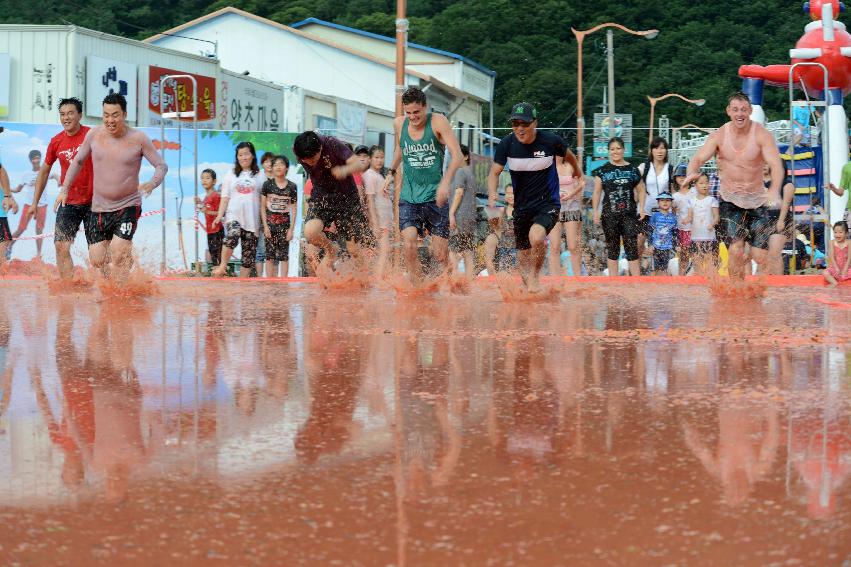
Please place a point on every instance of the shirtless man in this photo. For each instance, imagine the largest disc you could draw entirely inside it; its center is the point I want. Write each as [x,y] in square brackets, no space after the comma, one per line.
[742,147]
[421,139]
[116,150]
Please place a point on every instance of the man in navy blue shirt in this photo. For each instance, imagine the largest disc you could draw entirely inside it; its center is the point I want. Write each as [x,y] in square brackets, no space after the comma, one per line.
[531,157]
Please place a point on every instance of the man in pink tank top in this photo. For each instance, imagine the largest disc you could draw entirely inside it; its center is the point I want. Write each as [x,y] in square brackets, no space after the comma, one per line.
[116,150]
[742,147]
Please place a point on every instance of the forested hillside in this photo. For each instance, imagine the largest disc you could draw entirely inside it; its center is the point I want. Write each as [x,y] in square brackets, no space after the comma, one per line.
[528,43]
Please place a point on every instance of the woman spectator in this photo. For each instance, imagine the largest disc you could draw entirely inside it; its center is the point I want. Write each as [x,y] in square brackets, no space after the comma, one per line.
[619,184]
[657,174]
[240,207]
[571,186]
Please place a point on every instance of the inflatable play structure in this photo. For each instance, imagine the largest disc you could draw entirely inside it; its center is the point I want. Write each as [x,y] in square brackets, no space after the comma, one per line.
[821,69]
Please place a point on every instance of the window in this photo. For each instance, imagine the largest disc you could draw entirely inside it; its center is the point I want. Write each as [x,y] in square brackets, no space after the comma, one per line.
[326,125]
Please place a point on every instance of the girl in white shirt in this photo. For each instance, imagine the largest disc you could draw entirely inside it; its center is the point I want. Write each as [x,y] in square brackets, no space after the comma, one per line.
[379,205]
[703,216]
[240,208]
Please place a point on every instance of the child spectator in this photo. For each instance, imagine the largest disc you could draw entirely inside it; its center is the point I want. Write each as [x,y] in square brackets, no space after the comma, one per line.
[663,240]
[703,218]
[379,206]
[838,258]
[277,209]
[682,206]
[241,203]
[209,206]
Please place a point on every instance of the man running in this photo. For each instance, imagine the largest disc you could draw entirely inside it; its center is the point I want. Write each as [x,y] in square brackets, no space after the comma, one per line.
[64,146]
[331,164]
[532,158]
[742,147]
[116,150]
[421,139]
[29,190]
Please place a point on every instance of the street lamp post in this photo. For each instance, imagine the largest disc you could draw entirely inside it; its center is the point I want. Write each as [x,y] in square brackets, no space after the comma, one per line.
[654,100]
[580,37]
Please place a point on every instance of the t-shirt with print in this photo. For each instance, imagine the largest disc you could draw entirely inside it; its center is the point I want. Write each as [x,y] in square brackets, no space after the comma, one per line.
[465,216]
[210,208]
[664,225]
[243,190]
[278,201]
[702,227]
[845,182]
[333,153]
[619,182]
[533,169]
[64,147]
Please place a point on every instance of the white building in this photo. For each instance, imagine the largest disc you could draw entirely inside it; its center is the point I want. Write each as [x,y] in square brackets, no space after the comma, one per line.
[39,65]
[337,78]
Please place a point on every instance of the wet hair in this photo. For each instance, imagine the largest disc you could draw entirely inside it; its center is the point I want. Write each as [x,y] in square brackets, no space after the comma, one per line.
[374,149]
[658,142]
[616,139]
[78,104]
[413,95]
[282,158]
[268,156]
[465,151]
[841,224]
[237,169]
[306,145]
[738,95]
[210,172]
[116,98]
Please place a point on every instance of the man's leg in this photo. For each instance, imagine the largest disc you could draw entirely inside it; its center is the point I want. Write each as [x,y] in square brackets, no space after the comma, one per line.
[314,232]
[530,266]
[439,249]
[736,259]
[98,256]
[410,250]
[554,255]
[40,219]
[469,264]
[120,259]
[63,259]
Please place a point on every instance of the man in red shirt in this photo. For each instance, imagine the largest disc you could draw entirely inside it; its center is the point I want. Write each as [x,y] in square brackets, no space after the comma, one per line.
[63,147]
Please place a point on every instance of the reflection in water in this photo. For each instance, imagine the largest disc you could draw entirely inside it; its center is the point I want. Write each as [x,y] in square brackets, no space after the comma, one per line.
[499,432]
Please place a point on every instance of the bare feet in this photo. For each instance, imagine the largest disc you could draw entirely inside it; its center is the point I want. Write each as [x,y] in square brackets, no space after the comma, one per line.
[218,272]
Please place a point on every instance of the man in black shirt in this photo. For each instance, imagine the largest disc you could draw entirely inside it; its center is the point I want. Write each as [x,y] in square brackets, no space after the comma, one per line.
[531,157]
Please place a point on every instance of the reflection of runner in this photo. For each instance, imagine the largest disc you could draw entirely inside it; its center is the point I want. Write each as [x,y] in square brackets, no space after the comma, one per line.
[77,208]
[116,150]
[742,147]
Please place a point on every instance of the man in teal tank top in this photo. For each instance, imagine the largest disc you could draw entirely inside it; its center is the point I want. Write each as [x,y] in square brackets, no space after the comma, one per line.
[421,140]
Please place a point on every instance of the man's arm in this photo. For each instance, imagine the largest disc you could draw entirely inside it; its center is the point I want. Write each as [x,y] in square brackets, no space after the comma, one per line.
[493,183]
[354,164]
[76,165]
[156,160]
[443,129]
[453,208]
[9,203]
[397,157]
[40,184]
[703,155]
[771,155]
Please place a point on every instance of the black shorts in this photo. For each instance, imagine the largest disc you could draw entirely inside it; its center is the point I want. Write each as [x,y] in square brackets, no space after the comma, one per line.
[277,246]
[462,242]
[121,223]
[545,215]
[750,225]
[789,225]
[214,244]
[68,219]
[570,216]
[661,258]
[5,233]
[617,226]
[234,234]
[346,212]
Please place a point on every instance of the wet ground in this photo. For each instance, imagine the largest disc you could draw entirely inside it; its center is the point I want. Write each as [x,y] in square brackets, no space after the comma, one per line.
[264,424]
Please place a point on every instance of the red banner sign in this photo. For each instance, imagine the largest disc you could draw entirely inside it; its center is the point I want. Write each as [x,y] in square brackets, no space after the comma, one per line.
[177,93]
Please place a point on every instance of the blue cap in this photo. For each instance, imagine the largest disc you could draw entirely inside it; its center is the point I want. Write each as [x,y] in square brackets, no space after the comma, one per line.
[681,170]
[664,195]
